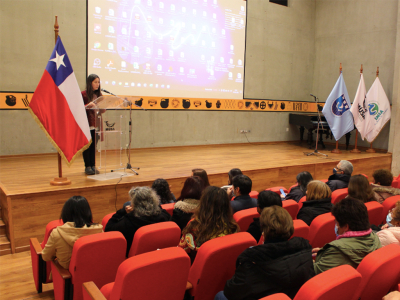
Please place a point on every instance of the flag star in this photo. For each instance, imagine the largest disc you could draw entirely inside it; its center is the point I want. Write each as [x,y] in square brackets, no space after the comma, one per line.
[59,60]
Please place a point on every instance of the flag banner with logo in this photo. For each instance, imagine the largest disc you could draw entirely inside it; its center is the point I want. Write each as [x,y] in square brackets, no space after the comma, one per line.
[378,107]
[358,109]
[337,110]
[58,108]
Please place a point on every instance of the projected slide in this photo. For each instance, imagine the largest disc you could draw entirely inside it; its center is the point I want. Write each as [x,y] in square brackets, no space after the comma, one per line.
[168,48]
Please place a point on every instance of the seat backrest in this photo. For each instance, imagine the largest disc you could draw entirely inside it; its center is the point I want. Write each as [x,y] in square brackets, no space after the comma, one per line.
[169,207]
[96,258]
[277,189]
[292,207]
[322,230]
[339,195]
[388,204]
[254,194]
[155,275]
[106,219]
[49,228]
[336,283]
[396,183]
[245,217]
[215,263]
[303,199]
[375,212]
[155,236]
[301,229]
[380,270]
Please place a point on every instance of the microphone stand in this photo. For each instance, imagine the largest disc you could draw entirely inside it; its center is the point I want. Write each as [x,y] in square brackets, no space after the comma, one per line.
[128,165]
[316,152]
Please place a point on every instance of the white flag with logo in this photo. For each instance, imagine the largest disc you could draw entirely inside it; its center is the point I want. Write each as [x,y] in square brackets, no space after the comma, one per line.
[358,109]
[378,113]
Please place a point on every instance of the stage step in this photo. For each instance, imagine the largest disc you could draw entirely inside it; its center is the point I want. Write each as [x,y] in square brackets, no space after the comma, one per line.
[5,246]
[2,228]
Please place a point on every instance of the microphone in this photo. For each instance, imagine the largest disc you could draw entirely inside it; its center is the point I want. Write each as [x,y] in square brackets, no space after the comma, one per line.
[313,95]
[103,90]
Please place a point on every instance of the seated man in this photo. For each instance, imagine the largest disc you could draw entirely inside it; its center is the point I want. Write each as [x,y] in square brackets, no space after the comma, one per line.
[354,240]
[265,199]
[382,185]
[341,175]
[241,186]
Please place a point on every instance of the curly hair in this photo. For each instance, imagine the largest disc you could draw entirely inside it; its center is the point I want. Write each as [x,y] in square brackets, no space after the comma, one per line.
[161,187]
[213,216]
[144,202]
[383,177]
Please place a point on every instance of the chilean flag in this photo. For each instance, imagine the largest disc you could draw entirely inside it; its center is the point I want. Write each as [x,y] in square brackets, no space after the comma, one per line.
[58,107]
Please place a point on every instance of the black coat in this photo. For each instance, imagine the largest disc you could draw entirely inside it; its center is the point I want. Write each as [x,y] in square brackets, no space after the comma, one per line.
[274,267]
[128,224]
[313,208]
[243,202]
[338,181]
[255,229]
[295,194]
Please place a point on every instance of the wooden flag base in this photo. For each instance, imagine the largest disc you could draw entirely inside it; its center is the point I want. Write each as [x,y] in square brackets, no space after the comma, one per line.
[370,150]
[60,181]
[337,151]
[355,150]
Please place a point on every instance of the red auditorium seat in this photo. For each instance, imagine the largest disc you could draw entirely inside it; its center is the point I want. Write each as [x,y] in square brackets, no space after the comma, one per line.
[254,194]
[154,275]
[276,189]
[301,229]
[215,263]
[339,195]
[40,268]
[364,175]
[94,258]
[245,217]
[324,180]
[169,207]
[396,183]
[106,219]
[322,230]
[337,283]
[155,236]
[380,271]
[389,204]
[292,207]
[303,199]
[375,212]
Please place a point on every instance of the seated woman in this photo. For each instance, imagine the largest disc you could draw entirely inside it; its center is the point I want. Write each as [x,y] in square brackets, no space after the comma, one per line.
[359,188]
[188,201]
[382,185]
[77,218]
[318,201]
[390,233]
[299,191]
[161,187]
[354,237]
[144,210]
[280,265]
[265,199]
[203,176]
[212,219]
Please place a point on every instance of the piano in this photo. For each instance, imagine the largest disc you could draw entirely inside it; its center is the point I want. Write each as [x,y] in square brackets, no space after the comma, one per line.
[309,121]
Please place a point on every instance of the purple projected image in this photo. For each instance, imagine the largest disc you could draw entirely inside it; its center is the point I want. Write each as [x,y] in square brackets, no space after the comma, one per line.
[175,48]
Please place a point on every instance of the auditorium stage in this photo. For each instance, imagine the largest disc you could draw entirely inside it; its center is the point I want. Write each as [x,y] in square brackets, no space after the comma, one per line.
[29,202]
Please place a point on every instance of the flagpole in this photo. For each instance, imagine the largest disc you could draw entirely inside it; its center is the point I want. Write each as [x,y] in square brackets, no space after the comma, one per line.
[59,180]
[371,150]
[355,150]
[337,151]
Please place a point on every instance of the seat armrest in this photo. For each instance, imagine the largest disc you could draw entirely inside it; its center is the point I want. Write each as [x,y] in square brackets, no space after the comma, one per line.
[64,273]
[36,246]
[91,290]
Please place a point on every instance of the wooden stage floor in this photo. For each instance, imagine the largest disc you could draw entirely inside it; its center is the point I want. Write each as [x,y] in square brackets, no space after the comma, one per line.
[29,202]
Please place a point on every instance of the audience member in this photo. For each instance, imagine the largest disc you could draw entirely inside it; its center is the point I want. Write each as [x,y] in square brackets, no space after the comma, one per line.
[241,185]
[359,188]
[144,210]
[77,218]
[341,175]
[188,201]
[318,201]
[390,233]
[299,191]
[212,219]
[232,173]
[280,265]
[354,240]
[265,199]
[161,187]
[203,175]
[382,185]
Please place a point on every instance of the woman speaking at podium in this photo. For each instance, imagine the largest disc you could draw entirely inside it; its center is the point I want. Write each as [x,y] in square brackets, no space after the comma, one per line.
[92,92]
